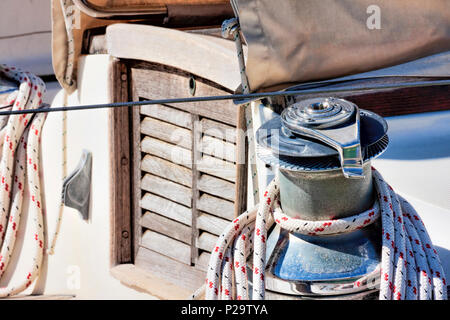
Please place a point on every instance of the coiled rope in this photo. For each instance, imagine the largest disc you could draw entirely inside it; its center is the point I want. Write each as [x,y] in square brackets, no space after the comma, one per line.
[19,167]
[409,269]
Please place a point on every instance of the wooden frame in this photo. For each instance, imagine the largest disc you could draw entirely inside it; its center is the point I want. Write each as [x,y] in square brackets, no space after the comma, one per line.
[130,256]
[121,203]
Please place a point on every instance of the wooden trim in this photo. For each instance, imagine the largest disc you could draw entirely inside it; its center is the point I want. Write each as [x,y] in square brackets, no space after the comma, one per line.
[119,126]
[136,157]
[176,272]
[146,281]
[392,102]
[403,101]
[240,202]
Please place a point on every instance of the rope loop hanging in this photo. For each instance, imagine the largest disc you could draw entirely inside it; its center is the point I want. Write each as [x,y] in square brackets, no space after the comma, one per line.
[19,169]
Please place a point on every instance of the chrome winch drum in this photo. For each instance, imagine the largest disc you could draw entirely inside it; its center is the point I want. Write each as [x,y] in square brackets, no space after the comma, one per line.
[322,149]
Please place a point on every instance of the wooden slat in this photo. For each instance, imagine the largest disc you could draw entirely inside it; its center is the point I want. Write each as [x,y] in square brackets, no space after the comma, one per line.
[166,208]
[392,102]
[203,261]
[218,168]
[166,226]
[170,269]
[168,114]
[167,132]
[157,84]
[217,187]
[166,246]
[212,224]
[218,129]
[167,169]
[167,151]
[206,241]
[167,189]
[216,206]
[218,148]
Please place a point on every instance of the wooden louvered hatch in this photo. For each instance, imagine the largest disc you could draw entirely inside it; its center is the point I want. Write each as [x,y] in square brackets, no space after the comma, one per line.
[186,179]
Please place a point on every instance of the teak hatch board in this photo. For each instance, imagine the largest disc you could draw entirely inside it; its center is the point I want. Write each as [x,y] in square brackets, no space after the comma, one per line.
[185,172]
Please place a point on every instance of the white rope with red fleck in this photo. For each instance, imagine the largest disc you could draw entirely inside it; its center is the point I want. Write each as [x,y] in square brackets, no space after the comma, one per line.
[19,166]
[54,237]
[231,28]
[69,13]
[409,268]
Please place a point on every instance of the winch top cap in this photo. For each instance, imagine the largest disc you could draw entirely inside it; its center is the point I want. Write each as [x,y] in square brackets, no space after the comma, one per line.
[317,113]
[322,134]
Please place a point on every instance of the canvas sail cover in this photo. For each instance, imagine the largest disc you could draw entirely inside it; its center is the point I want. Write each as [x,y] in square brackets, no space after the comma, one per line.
[292,41]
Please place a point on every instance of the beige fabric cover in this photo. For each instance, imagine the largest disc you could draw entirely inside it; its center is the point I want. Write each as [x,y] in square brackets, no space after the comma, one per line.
[123,6]
[293,41]
[59,41]
[87,20]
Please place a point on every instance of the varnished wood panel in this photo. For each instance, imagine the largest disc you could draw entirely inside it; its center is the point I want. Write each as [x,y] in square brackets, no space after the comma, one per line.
[403,101]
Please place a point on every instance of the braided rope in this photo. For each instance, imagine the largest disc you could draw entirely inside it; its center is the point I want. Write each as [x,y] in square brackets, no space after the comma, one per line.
[51,247]
[231,28]
[68,9]
[409,268]
[19,166]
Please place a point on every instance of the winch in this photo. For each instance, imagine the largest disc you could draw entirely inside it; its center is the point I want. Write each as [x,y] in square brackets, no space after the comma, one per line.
[321,149]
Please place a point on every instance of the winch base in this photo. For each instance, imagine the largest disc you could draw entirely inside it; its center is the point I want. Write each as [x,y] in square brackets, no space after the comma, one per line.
[331,265]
